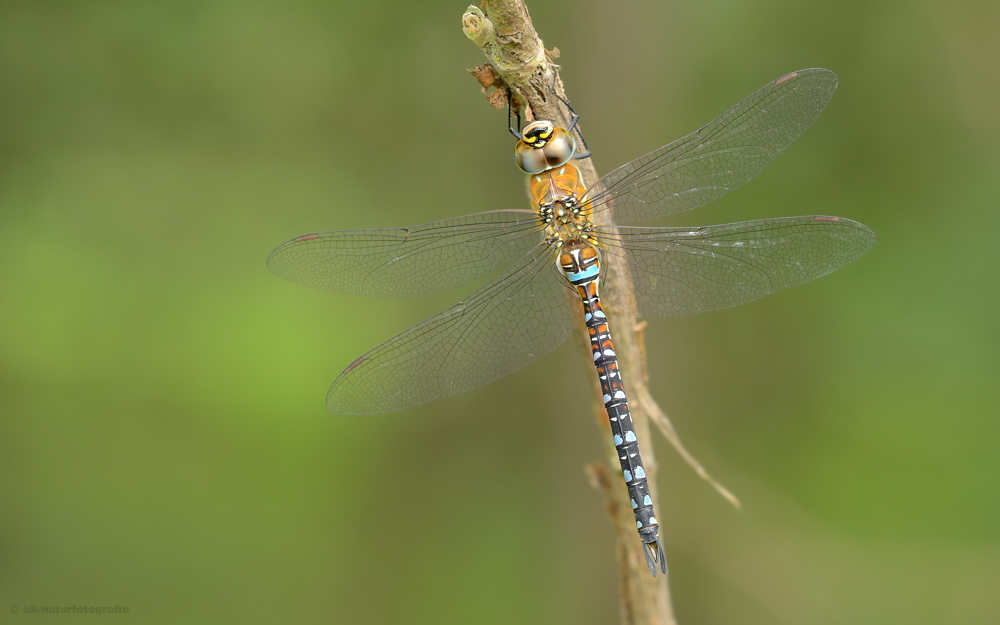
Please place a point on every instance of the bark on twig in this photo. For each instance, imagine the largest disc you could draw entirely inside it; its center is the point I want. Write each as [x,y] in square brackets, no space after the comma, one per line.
[518,62]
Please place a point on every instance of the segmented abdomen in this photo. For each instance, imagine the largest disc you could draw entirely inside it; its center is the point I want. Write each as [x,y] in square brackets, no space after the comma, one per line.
[581,264]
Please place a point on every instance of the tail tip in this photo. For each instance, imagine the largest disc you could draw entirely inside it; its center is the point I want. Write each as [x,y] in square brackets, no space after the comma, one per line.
[653,551]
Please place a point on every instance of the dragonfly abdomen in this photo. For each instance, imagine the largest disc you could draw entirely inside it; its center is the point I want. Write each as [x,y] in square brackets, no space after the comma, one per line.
[580,263]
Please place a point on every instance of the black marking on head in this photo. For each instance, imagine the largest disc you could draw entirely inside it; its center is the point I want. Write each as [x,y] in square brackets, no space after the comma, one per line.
[537,134]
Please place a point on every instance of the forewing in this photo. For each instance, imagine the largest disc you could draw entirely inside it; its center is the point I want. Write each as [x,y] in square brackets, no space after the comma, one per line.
[683,271]
[516,319]
[721,156]
[401,262]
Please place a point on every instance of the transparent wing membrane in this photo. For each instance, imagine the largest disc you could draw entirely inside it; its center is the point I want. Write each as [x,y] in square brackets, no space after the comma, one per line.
[721,156]
[525,312]
[402,262]
[684,271]
[508,324]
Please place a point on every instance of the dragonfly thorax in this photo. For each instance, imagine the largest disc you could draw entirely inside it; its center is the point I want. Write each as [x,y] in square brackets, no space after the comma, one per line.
[565,223]
[560,199]
[542,146]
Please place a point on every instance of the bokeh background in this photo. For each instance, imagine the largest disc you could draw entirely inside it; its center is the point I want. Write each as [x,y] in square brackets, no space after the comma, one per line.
[164,443]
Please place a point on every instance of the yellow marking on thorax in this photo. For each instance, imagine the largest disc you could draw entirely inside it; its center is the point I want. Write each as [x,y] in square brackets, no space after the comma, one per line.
[560,197]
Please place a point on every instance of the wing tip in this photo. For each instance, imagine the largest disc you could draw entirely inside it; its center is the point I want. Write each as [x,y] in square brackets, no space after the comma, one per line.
[824,75]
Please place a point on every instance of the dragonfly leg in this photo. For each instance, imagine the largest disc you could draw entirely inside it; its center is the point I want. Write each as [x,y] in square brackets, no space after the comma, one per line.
[514,131]
[574,118]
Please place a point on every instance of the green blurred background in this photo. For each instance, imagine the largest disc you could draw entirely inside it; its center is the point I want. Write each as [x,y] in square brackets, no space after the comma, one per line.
[164,443]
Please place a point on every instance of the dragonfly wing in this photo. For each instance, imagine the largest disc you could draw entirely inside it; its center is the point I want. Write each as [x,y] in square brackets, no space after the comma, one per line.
[721,156]
[683,271]
[401,262]
[519,317]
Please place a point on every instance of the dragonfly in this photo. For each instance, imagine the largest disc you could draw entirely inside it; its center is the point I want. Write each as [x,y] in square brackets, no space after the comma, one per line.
[562,246]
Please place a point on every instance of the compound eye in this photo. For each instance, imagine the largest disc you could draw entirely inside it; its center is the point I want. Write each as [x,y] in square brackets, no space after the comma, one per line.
[559,149]
[529,160]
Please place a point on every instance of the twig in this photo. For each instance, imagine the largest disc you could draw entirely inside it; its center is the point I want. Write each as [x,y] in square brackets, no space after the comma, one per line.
[519,63]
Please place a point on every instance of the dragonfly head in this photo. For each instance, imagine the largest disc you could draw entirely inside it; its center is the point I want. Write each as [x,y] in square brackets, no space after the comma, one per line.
[543,146]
